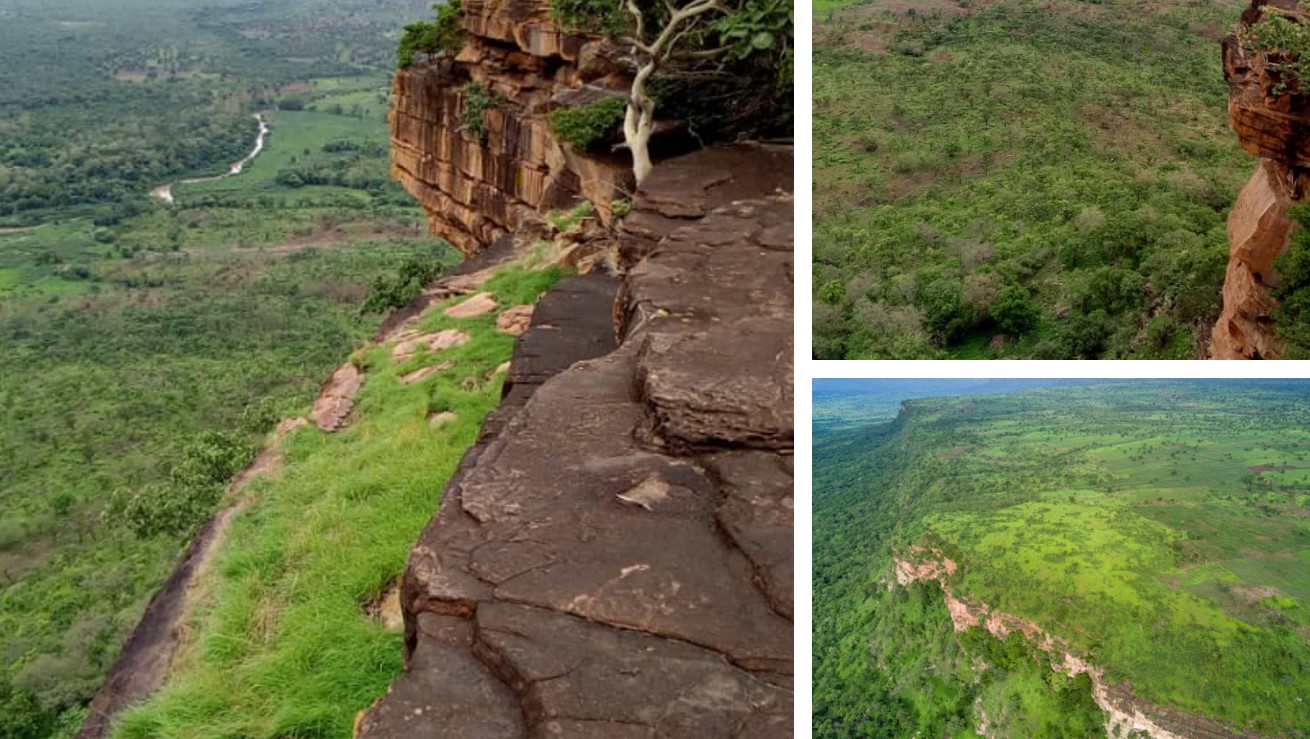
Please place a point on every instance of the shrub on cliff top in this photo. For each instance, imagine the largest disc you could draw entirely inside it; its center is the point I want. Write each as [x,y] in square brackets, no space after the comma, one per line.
[588,124]
[431,38]
[1285,40]
[749,40]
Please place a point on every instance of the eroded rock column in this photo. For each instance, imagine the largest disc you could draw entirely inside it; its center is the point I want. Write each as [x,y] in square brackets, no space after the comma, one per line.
[1272,120]
[1259,230]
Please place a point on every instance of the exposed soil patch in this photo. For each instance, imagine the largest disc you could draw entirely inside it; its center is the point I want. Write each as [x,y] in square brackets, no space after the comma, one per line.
[953,452]
[329,237]
[18,229]
[918,7]
[1251,594]
[868,27]
[1270,468]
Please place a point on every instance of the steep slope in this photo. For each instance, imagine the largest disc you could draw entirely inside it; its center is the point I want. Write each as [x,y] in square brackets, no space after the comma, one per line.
[1274,125]
[614,557]
[318,527]
[622,524]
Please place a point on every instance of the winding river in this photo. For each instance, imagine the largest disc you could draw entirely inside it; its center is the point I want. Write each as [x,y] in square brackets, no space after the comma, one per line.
[165,192]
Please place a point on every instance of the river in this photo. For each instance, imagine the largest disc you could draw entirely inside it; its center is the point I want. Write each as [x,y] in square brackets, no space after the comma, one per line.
[165,191]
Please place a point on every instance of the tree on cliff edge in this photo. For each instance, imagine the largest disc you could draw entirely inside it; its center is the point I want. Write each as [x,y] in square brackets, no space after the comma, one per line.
[668,37]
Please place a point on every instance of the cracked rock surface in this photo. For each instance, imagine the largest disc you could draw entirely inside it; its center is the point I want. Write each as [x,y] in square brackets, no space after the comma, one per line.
[614,556]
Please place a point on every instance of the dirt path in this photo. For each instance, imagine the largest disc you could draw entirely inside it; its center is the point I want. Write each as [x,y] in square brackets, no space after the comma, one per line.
[20,229]
[148,654]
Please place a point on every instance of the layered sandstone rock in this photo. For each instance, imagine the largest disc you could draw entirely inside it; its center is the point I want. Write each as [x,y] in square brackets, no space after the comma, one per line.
[1274,125]
[1259,230]
[477,186]
[1126,712]
[614,557]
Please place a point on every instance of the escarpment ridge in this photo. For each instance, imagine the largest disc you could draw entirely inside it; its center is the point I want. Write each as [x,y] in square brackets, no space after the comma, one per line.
[614,557]
[1126,712]
[1272,121]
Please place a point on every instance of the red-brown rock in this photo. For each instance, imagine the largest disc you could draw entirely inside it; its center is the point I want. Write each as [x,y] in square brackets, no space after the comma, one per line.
[614,557]
[1272,123]
[476,187]
[1258,231]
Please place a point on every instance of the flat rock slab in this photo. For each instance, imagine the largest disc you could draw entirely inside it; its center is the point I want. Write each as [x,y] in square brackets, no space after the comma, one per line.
[478,305]
[514,321]
[712,309]
[684,190]
[424,373]
[613,558]
[337,398]
[433,342]
[571,322]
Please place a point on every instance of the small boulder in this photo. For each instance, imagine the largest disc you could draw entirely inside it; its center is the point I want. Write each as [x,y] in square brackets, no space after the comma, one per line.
[423,373]
[434,342]
[478,305]
[337,398]
[514,321]
[437,420]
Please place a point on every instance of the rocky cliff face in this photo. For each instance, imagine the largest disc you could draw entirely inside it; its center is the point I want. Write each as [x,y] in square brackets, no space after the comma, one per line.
[480,173]
[1274,126]
[614,556]
[1125,712]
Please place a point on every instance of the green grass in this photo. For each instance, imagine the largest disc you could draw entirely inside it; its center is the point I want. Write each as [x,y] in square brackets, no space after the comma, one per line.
[284,647]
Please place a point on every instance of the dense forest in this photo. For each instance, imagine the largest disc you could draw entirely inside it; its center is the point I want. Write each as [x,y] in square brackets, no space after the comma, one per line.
[1049,179]
[148,348]
[1157,527]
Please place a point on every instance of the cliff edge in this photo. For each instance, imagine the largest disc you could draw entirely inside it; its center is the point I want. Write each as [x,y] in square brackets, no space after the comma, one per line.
[614,556]
[469,134]
[1273,124]
[1126,714]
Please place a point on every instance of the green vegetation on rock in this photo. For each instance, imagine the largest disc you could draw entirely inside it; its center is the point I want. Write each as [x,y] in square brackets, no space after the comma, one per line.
[429,38]
[588,124]
[1286,44]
